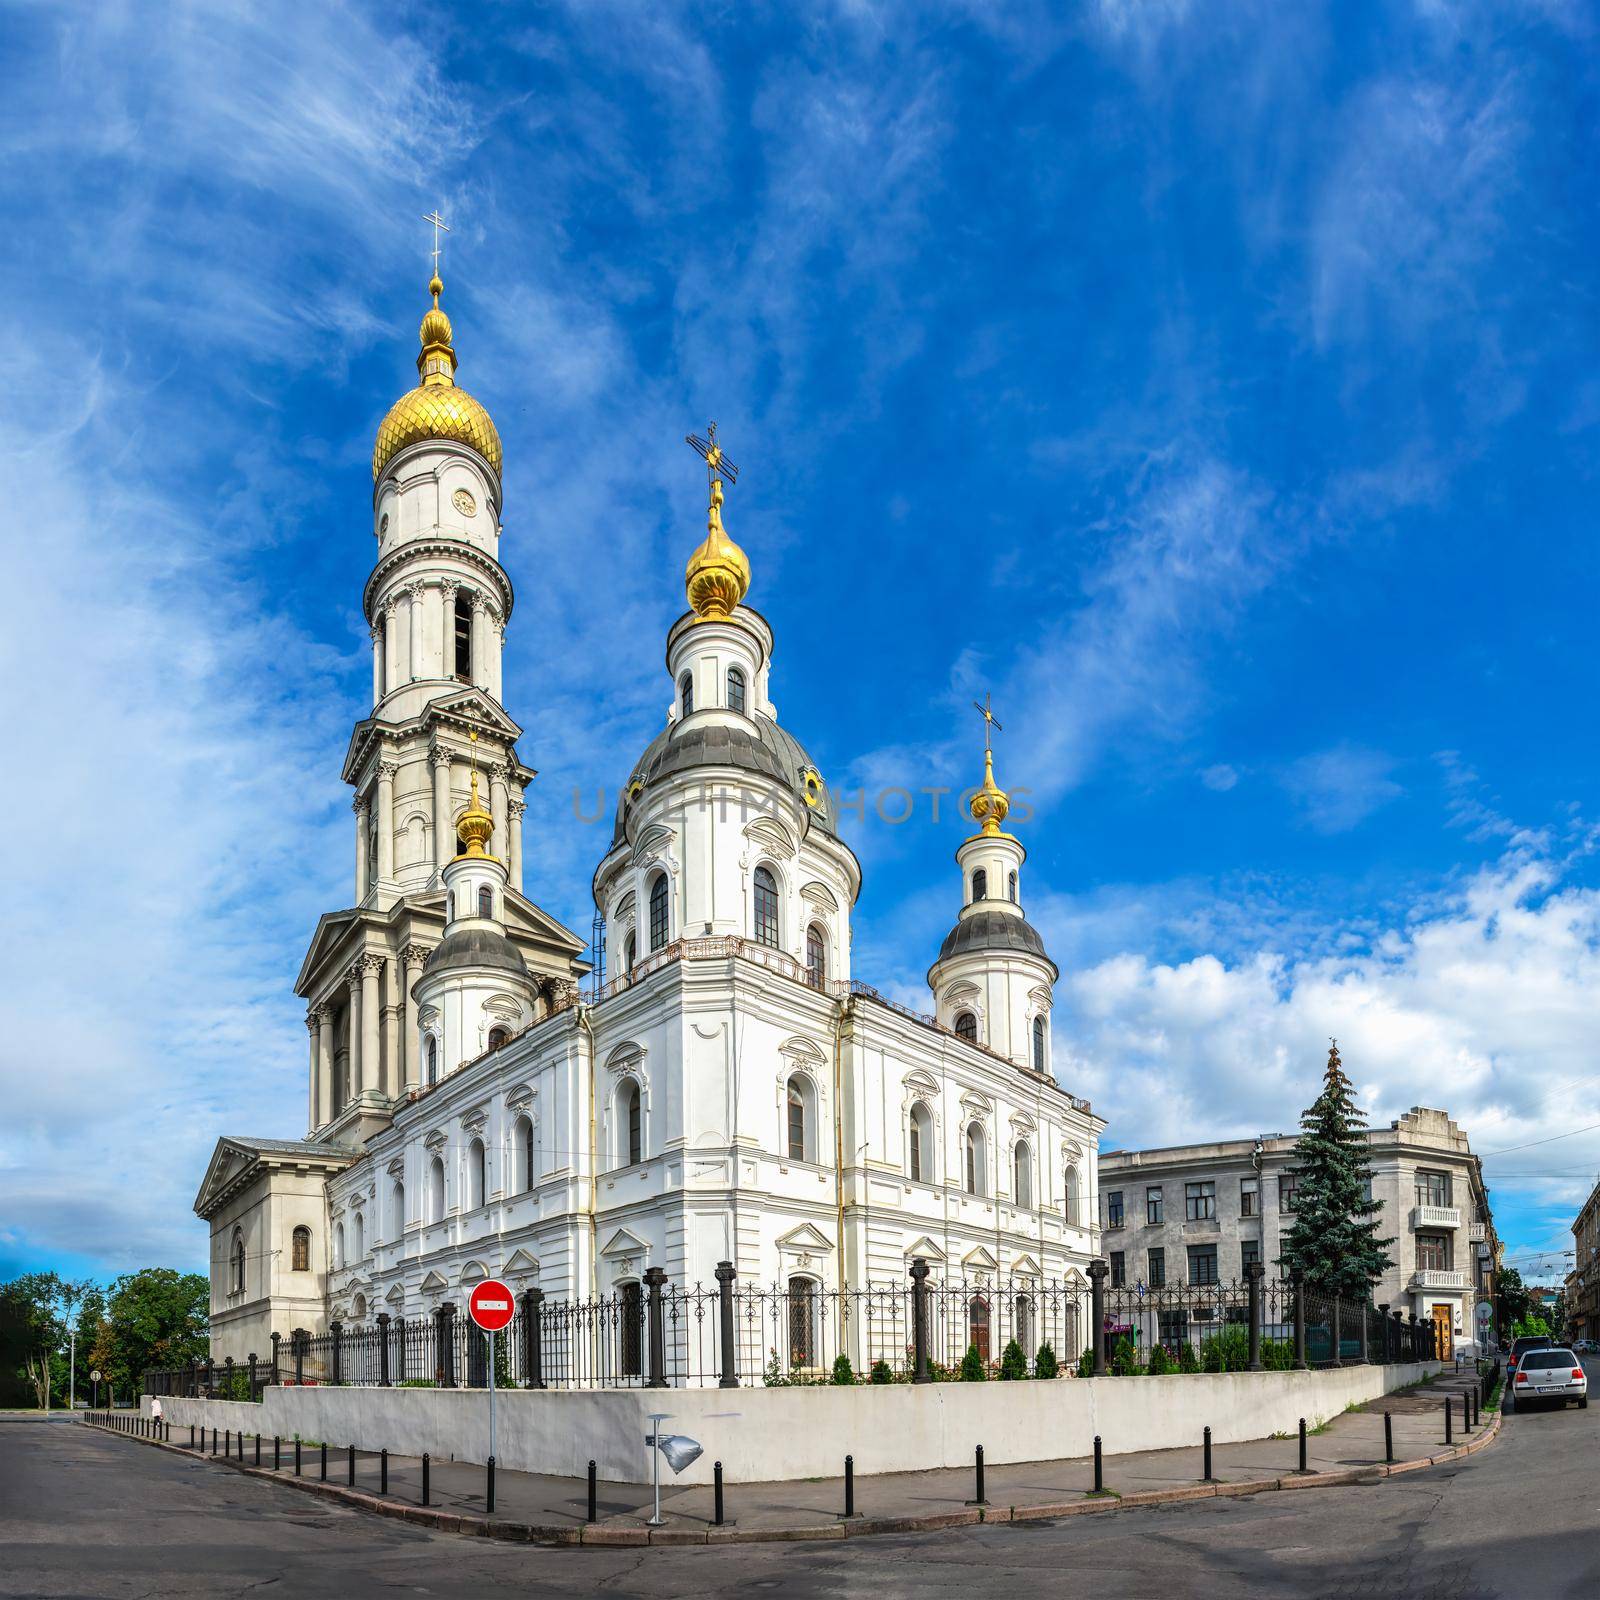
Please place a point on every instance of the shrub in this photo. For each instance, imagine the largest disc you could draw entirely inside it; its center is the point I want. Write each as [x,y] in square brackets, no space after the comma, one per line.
[1277,1355]
[416,1383]
[880,1372]
[843,1373]
[1125,1359]
[1045,1364]
[234,1387]
[1160,1362]
[1228,1351]
[1188,1361]
[1013,1364]
[1086,1364]
[774,1377]
[972,1368]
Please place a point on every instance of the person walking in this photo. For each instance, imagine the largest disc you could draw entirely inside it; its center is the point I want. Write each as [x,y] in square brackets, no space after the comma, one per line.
[155,1413]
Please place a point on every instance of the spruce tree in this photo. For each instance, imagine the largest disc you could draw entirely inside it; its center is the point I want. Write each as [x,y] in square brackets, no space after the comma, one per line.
[1334,1240]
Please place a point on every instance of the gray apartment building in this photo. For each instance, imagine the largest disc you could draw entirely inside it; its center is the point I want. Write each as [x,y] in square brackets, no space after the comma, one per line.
[1200,1213]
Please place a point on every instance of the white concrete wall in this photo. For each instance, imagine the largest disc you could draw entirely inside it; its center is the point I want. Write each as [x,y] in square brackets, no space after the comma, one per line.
[763,1435]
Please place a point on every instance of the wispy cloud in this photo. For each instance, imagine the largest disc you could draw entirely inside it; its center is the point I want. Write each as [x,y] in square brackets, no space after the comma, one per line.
[1339,789]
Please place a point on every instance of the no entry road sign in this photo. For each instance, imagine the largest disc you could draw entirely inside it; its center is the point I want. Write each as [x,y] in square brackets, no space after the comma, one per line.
[491,1305]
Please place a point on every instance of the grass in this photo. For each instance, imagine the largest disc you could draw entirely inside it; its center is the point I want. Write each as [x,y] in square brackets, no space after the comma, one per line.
[1101,1494]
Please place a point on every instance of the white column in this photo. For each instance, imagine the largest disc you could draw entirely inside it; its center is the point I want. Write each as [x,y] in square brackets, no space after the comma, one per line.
[391,655]
[413,957]
[447,627]
[514,810]
[314,1097]
[359,806]
[443,833]
[497,809]
[386,772]
[497,650]
[324,1064]
[377,663]
[391,1029]
[357,1032]
[438,664]
[480,641]
[402,633]
[370,1061]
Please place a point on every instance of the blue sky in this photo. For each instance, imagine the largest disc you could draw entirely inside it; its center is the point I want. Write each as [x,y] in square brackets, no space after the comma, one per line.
[1216,384]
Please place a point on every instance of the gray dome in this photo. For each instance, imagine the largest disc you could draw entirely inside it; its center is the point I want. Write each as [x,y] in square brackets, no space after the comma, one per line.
[756,745]
[475,947]
[994,930]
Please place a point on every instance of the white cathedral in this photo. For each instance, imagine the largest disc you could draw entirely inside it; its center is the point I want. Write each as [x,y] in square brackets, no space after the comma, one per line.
[484,1102]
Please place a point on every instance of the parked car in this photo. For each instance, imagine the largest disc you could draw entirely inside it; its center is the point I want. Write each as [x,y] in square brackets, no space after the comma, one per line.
[1534,1341]
[1554,1375]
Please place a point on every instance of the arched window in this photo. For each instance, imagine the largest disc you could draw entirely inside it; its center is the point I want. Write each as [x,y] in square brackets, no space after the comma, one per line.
[800,1120]
[1011,888]
[735,690]
[522,1148]
[1038,1044]
[921,1144]
[477,1187]
[238,1261]
[966,1026]
[397,1209]
[630,1121]
[1022,1174]
[300,1259]
[802,1323]
[978,1326]
[1069,1181]
[977,1182]
[485,902]
[463,651]
[658,912]
[631,1311]
[432,1053]
[980,885]
[686,694]
[338,1245]
[766,908]
[436,1190]
[1022,1328]
[816,956]
[498,1037]
[358,1237]
[630,953]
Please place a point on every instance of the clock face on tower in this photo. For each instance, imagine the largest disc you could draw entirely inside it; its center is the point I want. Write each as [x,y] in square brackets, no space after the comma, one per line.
[463,502]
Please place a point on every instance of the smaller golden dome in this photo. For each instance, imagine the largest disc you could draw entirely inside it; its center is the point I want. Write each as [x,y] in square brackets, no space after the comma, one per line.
[475,826]
[717,577]
[991,803]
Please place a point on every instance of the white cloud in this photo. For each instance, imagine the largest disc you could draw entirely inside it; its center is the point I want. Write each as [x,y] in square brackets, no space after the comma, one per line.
[1219,778]
[1340,788]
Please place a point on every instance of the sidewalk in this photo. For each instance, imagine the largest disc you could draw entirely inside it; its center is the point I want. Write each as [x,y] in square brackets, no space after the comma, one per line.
[545,1509]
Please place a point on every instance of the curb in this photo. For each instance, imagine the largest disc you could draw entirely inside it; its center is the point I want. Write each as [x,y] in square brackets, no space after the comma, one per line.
[599,1536]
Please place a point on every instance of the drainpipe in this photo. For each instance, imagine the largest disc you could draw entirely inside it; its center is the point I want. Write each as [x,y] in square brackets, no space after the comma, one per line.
[844,1004]
[594,1223]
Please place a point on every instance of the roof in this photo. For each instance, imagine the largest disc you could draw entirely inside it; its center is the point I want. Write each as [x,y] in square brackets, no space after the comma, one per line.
[289,1147]
[994,930]
[475,947]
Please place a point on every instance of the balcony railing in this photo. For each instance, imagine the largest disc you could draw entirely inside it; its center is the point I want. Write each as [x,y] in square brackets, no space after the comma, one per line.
[1435,1216]
[1435,1278]
[1476,1232]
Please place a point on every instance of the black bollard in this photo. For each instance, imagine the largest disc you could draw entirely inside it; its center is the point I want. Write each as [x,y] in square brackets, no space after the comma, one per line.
[191,1436]
[849,1486]
[1303,1466]
[716,1478]
[1449,1411]
[383,1471]
[324,1460]
[1206,1475]
[424,1477]
[590,1517]
[297,1455]
[258,1450]
[1099,1476]
[213,1441]
[489,1489]
[1388,1437]
[978,1472]
[277,1453]
[350,1471]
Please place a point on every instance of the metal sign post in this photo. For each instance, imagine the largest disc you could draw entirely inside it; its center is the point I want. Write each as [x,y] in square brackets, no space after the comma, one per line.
[491,1307]
[654,1440]
[490,1337]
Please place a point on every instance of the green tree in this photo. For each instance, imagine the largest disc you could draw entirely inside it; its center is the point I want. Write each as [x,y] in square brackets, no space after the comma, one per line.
[1045,1364]
[1334,1241]
[972,1368]
[843,1373]
[154,1318]
[1512,1297]
[36,1312]
[1013,1363]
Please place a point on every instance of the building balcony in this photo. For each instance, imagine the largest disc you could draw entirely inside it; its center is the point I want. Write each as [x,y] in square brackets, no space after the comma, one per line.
[1433,1278]
[1435,1217]
[1476,1232]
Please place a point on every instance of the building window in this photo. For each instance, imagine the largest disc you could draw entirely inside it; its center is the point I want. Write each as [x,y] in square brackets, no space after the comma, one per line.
[632,1122]
[976,1180]
[978,1326]
[1433,1188]
[1119,1270]
[736,690]
[1249,1253]
[1022,1327]
[1202,1264]
[816,957]
[486,902]
[686,694]
[1199,1201]
[1038,1044]
[498,1037]
[464,635]
[1433,1252]
[300,1257]
[477,1173]
[1158,1269]
[1174,1326]
[1153,1205]
[238,1262]
[921,1144]
[1114,1208]
[631,1310]
[980,885]
[358,1232]
[397,1209]
[766,908]
[436,1190]
[338,1245]
[802,1323]
[1288,1188]
[1022,1174]
[1070,1182]
[1011,888]
[966,1026]
[522,1136]
[432,1052]
[1249,1196]
[630,953]
[797,1109]
[658,912]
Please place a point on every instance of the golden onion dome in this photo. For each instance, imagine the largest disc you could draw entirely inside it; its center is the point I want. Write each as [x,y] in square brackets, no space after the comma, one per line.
[436,408]
[718,574]
[991,803]
[475,826]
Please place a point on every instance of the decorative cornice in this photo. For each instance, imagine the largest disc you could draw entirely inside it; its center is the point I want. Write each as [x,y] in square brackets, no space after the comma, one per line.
[454,549]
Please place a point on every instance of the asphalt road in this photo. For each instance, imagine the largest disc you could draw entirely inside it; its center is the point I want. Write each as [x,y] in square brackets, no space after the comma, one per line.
[85,1513]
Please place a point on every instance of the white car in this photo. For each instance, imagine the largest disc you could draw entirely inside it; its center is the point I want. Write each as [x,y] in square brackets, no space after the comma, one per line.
[1555,1376]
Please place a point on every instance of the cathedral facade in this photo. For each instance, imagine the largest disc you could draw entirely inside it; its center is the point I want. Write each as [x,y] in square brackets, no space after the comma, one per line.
[486,1099]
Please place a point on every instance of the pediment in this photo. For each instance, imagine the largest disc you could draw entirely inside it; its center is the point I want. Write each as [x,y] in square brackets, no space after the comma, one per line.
[522,1262]
[473,1272]
[1024,1266]
[978,1259]
[806,1237]
[524,918]
[433,1282]
[819,895]
[396,1295]
[623,1243]
[919,1082]
[771,833]
[926,1248]
[798,1049]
